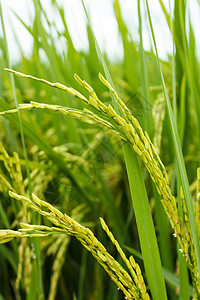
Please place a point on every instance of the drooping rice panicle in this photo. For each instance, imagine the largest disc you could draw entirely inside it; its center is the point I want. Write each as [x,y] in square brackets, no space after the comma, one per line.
[5,184]
[124,109]
[185,215]
[55,84]
[131,264]
[145,149]
[67,225]
[14,170]
[83,115]
[7,162]
[189,246]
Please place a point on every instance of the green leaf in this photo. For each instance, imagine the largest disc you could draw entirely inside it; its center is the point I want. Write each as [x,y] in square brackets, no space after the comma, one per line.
[141,207]
[179,155]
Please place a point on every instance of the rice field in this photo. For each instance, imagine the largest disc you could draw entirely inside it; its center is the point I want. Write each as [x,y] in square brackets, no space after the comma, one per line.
[100,161]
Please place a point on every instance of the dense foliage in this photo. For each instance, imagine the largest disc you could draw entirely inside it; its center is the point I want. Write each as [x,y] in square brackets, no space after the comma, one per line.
[125,148]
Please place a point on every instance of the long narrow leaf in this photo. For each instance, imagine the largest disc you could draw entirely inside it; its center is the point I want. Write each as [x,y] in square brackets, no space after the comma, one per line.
[179,155]
[141,206]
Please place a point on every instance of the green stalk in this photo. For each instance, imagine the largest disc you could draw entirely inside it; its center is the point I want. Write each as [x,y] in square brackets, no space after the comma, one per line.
[179,155]
[145,226]
[188,65]
[36,244]
[16,103]
[148,122]
[183,271]
[144,220]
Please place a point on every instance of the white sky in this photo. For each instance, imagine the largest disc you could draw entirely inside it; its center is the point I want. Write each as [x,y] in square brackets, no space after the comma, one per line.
[103,21]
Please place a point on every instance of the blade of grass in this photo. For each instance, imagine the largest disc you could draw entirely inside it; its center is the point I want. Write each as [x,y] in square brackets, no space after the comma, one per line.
[41,41]
[148,123]
[164,230]
[167,16]
[141,206]
[171,278]
[37,268]
[16,103]
[183,272]
[178,152]
[188,63]
[145,226]
[131,57]
[10,256]
[160,216]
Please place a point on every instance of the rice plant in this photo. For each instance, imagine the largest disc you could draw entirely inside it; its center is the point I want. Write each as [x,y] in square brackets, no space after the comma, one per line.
[89,154]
